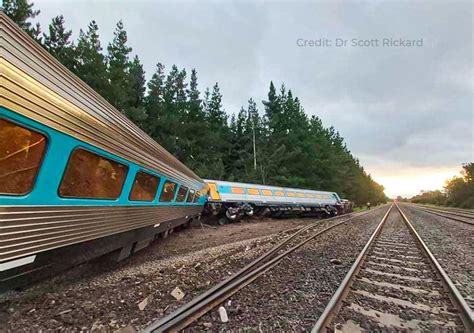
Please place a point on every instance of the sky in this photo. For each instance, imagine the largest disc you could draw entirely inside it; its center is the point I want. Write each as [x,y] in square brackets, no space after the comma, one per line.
[405,111]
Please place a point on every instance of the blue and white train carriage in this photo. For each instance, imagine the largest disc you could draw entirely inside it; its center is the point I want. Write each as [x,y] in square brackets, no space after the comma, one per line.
[239,199]
[77,178]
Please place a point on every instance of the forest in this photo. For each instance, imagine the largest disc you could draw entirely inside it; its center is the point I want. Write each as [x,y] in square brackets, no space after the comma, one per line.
[458,191]
[270,142]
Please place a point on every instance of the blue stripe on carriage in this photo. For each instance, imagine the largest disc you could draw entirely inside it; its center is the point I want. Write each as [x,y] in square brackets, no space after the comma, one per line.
[58,150]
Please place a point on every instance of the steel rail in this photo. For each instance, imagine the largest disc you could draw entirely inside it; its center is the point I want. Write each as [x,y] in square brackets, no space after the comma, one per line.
[202,304]
[336,300]
[453,212]
[467,315]
[458,211]
[450,209]
[334,305]
[467,216]
[471,217]
[446,216]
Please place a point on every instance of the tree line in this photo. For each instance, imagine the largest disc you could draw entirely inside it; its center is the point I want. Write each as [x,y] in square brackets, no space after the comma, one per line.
[276,145]
[458,191]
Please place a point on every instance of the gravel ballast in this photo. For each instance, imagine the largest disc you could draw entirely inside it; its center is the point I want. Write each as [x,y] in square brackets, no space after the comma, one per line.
[292,295]
[452,243]
[137,291]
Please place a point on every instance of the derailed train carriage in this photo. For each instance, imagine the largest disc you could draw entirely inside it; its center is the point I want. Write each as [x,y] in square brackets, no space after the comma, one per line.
[77,178]
[236,200]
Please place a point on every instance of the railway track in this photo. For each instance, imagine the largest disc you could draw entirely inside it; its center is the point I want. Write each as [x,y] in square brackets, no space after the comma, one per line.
[469,212]
[196,308]
[455,216]
[396,284]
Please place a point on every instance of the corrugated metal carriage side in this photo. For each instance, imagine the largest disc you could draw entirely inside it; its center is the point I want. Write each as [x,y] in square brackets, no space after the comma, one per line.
[235,200]
[77,179]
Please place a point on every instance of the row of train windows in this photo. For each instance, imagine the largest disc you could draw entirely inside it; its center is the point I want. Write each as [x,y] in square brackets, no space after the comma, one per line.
[87,175]
[254,191]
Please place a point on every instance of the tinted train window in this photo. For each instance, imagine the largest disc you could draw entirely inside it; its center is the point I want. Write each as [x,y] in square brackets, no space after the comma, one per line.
[21,153]
[144,187]
[167,194]
[267,192]
[253,191]
[237,190]
[190,196]
[182,194]
[92,176]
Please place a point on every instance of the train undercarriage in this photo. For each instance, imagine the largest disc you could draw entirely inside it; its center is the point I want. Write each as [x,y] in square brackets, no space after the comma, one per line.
[235,211]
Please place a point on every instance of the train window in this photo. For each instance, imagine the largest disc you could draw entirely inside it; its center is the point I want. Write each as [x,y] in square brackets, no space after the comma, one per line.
[267,192]
[167,194]
[309,195]
[301,195]
[89,175]
[190,196]
[144,187]
[21,153]
[279,193]
[183,190]
[237,190]
[196,197]
[253,191]
[291,194]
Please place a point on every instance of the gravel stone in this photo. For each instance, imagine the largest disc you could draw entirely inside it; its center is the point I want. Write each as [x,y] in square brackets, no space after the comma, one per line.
[105,296]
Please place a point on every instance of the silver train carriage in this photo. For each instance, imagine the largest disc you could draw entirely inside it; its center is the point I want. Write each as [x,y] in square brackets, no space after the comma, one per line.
[235,200]
[77,178]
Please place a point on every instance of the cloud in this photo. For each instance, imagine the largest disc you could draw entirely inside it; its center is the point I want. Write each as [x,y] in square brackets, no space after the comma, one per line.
[406,106]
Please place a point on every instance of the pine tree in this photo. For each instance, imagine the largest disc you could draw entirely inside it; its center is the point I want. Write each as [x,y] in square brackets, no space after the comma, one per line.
[118,70]
[22,12]
[215,113]
[195,107]
[272,109]
[58,43]
[240,145]
[218,135]
[194,133]
[136,110]
[181,94]
[154,103]
[91,64]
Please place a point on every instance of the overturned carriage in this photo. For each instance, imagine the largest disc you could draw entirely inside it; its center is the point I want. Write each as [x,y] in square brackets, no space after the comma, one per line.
[231,201]
[77,178]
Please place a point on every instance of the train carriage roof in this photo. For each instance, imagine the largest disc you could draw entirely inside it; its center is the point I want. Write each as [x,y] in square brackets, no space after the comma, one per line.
[33,83]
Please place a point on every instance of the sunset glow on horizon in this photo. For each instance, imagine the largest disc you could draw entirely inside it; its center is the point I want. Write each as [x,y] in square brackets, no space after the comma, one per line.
[410,182]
